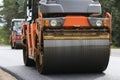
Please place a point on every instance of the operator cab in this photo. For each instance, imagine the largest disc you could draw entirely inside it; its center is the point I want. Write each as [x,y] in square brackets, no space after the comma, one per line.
[70,6]
[16,25]
[62,7]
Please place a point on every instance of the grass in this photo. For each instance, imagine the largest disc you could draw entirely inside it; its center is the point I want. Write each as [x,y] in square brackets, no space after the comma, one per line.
[114,47]
[4,36]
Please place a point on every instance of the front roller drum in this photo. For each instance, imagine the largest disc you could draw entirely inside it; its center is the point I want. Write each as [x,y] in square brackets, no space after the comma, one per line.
[75,56]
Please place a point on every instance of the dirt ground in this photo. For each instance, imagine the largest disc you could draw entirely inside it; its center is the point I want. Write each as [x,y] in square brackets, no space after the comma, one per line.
[5,76]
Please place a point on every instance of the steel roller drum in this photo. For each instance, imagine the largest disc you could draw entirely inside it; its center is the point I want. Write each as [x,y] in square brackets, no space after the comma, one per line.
[76,55]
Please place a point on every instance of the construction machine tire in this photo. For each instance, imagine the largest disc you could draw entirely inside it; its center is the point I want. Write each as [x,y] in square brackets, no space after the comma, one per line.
[38,64]
[72,56]
[11,45]
[26,59]
[39,58]
[15,46]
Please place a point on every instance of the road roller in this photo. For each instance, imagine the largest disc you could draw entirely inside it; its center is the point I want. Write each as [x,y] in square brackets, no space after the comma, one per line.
[15,37]
[66,36]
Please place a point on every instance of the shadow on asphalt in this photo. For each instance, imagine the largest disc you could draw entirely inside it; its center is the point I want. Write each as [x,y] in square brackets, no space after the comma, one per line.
[30,73]
[78,76]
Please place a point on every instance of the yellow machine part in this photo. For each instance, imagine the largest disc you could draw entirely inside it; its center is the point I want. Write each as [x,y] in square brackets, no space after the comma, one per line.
[76,37]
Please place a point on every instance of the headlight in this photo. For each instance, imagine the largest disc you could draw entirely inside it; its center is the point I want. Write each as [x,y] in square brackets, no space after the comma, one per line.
[53,23]
[99,23]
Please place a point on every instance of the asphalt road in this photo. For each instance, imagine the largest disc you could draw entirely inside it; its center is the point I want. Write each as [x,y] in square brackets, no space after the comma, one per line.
[13,62]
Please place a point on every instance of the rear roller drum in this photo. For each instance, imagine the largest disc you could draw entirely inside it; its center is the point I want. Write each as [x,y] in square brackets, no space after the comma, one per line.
[26,59]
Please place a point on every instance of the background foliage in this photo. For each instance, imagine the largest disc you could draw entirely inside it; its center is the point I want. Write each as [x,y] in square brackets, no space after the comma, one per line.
[113,7]
[4,36]
[10,11]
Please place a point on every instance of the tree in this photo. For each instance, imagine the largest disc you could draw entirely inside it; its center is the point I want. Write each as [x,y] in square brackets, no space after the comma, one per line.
[113,7]
[10,11]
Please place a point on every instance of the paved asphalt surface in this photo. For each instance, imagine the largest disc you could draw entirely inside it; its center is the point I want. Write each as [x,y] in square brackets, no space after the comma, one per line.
[12,61]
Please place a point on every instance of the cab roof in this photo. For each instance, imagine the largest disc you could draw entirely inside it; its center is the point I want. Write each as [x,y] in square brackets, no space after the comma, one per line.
[18,20]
